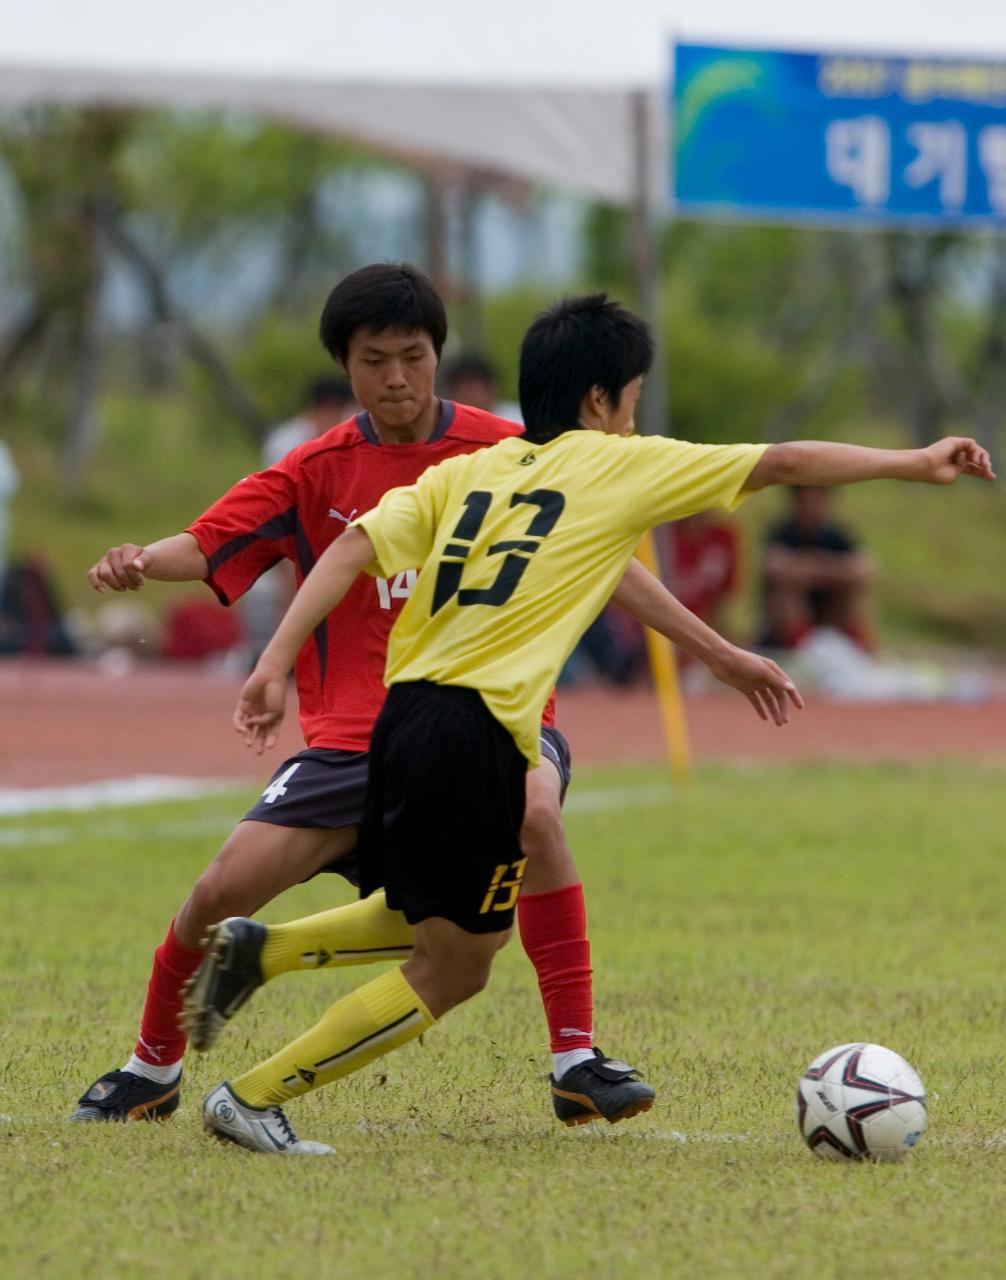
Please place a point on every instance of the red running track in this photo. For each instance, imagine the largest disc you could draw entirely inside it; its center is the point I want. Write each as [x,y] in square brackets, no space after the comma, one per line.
[73,722]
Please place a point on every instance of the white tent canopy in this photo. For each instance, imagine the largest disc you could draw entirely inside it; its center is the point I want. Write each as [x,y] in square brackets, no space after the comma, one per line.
[535,88]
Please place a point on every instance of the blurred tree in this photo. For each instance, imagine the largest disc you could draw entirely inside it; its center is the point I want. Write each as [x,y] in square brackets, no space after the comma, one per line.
[152,197]
[71,169]
[785,330]
[751,320]
[769,331]
[607,249]
[65,166]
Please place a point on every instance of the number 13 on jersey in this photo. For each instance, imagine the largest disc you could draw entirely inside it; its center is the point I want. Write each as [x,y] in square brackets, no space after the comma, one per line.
[516,552]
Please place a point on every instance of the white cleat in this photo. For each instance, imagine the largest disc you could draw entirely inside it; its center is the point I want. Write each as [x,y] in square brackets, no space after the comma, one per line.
[264,1129]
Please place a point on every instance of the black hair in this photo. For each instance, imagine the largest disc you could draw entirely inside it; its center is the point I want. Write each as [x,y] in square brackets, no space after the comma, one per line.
[579,343]
[385,295]
[328,391]
[469,365]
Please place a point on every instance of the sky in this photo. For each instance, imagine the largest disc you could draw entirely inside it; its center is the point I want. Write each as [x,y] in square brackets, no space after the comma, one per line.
[565,42]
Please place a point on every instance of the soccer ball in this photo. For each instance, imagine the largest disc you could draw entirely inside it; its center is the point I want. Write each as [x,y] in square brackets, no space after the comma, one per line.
[860,1102]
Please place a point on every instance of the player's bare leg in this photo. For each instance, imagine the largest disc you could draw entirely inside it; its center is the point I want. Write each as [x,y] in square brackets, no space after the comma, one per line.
[550,863]
[448,964]
[552,917]
[258,862]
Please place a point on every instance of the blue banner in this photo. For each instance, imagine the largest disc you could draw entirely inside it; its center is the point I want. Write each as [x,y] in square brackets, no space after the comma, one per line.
[839,137]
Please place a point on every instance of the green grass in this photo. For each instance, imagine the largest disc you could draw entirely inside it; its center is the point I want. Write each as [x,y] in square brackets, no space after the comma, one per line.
[738,929]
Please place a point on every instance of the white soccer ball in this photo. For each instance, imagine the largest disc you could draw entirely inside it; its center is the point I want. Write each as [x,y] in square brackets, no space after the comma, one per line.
[860,1102]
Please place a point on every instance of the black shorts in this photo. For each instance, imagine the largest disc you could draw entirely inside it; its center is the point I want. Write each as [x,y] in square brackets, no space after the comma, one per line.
[324,788]
[318,788]
[445,803]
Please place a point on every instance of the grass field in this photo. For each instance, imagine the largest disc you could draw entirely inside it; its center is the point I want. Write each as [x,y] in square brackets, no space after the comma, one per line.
[738,929]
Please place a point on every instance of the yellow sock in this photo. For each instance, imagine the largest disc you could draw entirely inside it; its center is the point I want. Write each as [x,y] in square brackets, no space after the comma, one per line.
[359,933]
[380,1016]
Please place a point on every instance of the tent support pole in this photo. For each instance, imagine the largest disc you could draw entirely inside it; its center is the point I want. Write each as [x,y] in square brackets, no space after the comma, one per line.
[653,421]
[646,262]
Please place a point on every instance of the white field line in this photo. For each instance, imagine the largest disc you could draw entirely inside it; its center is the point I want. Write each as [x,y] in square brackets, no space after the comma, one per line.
[608,798]
[108,793]
[133,791]
[12,837]
[595,1133]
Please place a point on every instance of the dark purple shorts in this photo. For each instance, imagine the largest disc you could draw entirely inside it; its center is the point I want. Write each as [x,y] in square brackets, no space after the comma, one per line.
[323,788]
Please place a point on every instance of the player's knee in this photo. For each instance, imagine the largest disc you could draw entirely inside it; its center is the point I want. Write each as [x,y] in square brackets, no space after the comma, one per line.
[211,900]
[442,985]
[542,830]
[477,979]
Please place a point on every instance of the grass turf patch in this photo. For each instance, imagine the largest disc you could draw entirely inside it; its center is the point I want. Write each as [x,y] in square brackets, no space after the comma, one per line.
[738,929]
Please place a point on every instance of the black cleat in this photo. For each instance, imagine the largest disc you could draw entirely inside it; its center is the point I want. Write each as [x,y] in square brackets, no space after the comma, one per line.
[229,974]
[600,1089]
[121,1095]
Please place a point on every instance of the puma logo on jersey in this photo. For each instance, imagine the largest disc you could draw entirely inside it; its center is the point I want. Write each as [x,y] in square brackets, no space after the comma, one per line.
[528,458]
[337,515]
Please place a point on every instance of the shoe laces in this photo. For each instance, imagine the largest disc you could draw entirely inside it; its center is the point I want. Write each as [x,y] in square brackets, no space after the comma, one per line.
[279,1115]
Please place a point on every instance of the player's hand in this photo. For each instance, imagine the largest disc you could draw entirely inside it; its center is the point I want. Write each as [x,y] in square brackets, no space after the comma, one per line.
[260,708]
[120,569]
[956,456]
[763,682]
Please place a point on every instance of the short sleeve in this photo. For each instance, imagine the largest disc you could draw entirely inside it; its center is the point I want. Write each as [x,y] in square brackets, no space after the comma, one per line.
[247,531]
[676,478]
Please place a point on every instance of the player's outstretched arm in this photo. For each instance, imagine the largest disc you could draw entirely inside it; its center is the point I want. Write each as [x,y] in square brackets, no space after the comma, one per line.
[765,685]
[825,463]
[127,567]
[262,702]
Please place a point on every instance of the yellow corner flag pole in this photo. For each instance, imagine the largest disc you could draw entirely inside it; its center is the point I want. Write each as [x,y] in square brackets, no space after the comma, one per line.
[665,681]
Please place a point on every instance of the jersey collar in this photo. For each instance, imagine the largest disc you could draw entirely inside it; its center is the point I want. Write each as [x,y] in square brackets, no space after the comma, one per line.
[444,420]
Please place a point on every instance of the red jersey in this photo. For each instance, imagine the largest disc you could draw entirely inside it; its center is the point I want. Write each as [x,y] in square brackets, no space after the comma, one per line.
[293,511]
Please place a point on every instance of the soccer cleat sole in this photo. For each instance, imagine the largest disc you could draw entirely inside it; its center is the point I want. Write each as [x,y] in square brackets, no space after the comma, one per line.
[587,1113]
[201,1024]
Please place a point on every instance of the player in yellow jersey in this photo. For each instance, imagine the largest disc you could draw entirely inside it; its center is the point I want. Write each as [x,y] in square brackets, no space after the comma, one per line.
[520,546]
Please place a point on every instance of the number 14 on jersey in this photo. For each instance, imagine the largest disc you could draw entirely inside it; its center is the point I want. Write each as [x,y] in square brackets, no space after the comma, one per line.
[397,588]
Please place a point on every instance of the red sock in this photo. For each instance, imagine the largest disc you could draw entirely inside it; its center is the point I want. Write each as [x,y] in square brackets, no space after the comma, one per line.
[553,929]
[161,1039]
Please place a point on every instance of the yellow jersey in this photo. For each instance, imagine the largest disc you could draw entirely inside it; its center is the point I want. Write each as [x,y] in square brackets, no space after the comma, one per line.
[520,547]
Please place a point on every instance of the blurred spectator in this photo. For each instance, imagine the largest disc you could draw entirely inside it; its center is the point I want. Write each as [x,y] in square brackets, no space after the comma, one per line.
[31,618]
[699,556]
[813,575]
[9,480]
[328,401]
[196,629]
[123,632]
[471,379]
[612,647]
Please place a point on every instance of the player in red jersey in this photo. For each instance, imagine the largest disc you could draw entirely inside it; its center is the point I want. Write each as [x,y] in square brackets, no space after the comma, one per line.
[386,325]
